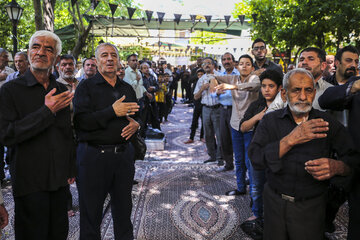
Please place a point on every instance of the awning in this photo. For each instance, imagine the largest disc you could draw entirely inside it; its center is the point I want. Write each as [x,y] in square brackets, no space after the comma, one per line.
[104,26]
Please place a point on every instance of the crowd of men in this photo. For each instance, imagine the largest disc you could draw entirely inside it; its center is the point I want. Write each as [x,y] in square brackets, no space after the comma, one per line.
[292,138]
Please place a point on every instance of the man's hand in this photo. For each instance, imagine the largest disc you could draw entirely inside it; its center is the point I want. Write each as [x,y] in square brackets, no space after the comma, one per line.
[303,133]
[58,102]
[150,97]
[225,86]
[308,131]
[130,129]
[325,168]
[71,180]
[3,76]
[125,108]
[355,87]
[205,86]
[151,89]
[4,216]
[138,77]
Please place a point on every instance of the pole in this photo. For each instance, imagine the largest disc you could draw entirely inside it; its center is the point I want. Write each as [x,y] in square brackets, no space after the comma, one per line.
[14,32]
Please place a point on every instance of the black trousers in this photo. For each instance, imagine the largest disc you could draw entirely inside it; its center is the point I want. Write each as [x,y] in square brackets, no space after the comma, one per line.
[354,211]
[285,220]
[225,136]
[100,173]
[195,121]
[42,216]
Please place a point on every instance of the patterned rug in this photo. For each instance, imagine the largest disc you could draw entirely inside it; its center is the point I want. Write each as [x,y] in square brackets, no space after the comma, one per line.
[178,197]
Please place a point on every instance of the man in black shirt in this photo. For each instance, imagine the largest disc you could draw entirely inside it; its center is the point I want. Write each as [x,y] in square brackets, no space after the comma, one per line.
[35,123]
[261,62]
[103,105]
[294,146]
[347,96]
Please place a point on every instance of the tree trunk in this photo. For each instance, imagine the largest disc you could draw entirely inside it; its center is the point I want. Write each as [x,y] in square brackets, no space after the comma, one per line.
[82,36]
[48,10]
[38,15]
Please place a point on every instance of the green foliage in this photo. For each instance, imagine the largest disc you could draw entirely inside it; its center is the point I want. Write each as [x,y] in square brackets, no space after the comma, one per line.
[289,26]
[26,26]
[203,37]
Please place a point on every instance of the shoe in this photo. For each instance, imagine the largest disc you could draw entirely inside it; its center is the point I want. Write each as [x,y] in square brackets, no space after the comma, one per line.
[135,182]
[234,193]
[209,160]
[189,141]
[224,169]
[220,163]
[202,139]
[253,228]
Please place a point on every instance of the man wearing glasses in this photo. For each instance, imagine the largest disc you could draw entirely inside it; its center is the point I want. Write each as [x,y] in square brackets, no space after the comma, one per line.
[259,51]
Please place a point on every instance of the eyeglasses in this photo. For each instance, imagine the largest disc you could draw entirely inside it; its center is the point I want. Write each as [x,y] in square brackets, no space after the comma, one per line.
[262,48]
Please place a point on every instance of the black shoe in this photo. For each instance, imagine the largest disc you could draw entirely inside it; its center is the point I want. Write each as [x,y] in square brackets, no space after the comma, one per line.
[253,228]
[209,160]
[220,163]
[135,182]
[234,193]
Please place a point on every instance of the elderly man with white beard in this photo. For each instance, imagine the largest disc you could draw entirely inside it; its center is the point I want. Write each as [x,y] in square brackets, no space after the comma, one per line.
[294,145]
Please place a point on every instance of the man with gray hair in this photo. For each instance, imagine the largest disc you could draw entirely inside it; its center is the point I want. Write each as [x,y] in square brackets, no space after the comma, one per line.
[21,64]
[103,105]
[35,124]
[294,145]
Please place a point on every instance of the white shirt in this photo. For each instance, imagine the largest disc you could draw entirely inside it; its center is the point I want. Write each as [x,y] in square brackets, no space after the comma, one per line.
[138,86]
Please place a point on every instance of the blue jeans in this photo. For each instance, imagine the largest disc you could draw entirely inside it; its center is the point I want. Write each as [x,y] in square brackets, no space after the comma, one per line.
[241,142]
[258,182]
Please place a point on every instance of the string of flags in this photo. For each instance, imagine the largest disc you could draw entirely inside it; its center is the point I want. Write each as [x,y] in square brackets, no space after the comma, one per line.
[160,15]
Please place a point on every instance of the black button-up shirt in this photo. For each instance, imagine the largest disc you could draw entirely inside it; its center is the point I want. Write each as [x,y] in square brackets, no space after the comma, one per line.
[268,65]
[94,118]
[43,155]
[287,174]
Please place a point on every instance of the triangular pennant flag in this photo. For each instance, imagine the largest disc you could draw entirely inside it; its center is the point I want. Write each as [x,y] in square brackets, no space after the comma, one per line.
[235,50]
[208,19]
[73,2]
[227,19]
[177,18]
[113,8]
[193,18]
[242,18]
[149,15]
[254,15]
[131,12]
[95,3]
[196,50]
[169,46]
[160,16]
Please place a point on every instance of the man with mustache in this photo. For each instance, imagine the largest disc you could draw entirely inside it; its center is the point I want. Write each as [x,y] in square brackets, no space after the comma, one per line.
[346,62]
[35,123]
[210,111]
[21,64]
[314,60]
[89,66]
[294,146]
[105,114]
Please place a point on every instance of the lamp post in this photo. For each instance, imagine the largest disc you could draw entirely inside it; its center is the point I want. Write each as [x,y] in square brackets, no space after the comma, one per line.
[14,12]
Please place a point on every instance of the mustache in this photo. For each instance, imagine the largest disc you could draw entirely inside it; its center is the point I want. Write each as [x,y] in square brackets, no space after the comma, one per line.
[302,103]
[351,69]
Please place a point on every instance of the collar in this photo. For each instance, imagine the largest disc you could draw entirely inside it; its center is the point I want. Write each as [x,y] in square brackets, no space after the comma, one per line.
[99,79]
[63,81]
[287,113]
[32,81]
